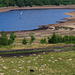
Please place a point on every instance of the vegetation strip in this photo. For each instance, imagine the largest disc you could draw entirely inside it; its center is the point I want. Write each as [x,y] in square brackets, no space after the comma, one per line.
[39,51]
[20,3]
[53,47]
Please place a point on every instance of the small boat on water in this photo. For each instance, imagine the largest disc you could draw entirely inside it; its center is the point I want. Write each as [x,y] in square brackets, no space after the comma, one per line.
[21,14]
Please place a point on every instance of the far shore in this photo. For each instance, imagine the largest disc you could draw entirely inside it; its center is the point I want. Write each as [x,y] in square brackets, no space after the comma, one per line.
[5,9]
[62,28]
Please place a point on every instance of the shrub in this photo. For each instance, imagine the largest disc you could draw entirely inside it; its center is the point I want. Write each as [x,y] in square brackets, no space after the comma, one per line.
[3,38]
[3,34]
[32,38]
[65,38]
[12,36]
[24,41]
[53,39]
[3,41]
[10,41]
[59,39]
[43,41]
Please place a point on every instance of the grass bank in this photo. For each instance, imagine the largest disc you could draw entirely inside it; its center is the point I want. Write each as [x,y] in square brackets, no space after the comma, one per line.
[59,63]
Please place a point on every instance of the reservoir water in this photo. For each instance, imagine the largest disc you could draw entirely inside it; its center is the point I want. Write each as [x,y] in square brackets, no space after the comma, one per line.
[30,19]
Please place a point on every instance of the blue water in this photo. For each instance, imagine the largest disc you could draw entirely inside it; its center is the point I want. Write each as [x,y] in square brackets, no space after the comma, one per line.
[30,19]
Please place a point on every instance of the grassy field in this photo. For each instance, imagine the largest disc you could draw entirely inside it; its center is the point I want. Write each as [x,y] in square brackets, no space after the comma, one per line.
[58,63]
[36,44]
[29,46]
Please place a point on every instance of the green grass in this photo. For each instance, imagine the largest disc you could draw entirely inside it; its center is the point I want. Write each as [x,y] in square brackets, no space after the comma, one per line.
[29,46]
[58,63]
[36,44]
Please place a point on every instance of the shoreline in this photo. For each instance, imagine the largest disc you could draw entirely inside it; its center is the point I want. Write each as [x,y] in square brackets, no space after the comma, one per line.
[5,9]
[45,29]
[42,27]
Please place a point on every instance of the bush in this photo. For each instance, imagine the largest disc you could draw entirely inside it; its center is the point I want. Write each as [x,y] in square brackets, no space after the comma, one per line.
[10,41]
[3,41]
[32,38]
[3,38]
[53,39]
[43,41]
[24,41]
[3,34]
[65,38]
[12,36]
[59,39]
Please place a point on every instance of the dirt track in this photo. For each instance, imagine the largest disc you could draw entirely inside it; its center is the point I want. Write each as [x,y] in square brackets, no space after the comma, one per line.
[6,53]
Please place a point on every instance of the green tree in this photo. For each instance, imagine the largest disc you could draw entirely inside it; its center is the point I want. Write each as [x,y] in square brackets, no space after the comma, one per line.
[65,38]
[46,2]
[20,3]
[3,41]
[24,41]
[53,39]
[3,34]
[10,41]
[37,2]
[59,39]
[43,41]
[32,38]
[3,38]
[12,36]
[12,3]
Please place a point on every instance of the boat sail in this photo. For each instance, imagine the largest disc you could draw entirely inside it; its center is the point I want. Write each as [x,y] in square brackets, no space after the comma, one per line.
[21,14]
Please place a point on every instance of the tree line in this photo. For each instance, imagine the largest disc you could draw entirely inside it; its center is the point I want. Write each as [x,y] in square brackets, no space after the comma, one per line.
[59,39]
[53,39]
[20,3]
[4,40]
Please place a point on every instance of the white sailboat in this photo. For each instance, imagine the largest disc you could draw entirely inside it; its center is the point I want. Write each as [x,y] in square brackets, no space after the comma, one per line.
[21,14]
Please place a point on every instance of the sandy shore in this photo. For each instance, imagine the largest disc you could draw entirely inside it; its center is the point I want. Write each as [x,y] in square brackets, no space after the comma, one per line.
[4,9]
[62,28]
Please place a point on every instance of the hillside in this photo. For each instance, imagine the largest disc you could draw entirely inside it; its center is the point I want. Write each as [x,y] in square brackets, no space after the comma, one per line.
[20,3]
